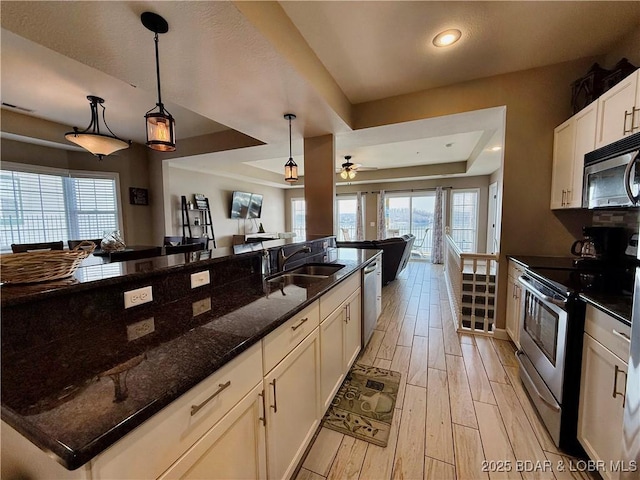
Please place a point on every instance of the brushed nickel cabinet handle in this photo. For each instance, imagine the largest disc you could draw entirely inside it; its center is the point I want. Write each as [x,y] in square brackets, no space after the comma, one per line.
[615,384]
[295,327]
[263,418]
[635,127]
[275,399]
[624,125]
[221,386]
[621,335]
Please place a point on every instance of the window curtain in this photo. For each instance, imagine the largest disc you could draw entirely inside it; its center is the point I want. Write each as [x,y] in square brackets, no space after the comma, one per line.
[382,221]
[437,247]
[359,219]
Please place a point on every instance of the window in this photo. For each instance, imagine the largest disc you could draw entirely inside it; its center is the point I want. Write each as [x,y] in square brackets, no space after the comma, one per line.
[412,213]
[39,204]
[298,217]
[346,211]
[464,219]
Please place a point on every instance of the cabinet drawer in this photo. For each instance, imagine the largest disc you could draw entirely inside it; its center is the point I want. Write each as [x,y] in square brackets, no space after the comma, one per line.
[151,448]
[332,299]
[287,336]
[610,332]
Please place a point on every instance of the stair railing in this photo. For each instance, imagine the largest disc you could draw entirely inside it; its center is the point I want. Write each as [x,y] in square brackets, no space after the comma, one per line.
[471,284]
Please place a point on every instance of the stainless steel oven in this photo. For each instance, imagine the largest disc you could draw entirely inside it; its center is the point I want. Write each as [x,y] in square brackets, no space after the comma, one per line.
[550,354]
[543,333]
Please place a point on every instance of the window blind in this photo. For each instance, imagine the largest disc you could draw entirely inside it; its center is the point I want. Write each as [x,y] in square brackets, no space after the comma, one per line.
[51,206]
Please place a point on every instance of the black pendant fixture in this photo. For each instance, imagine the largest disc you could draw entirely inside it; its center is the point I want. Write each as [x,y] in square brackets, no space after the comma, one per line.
[161,127]
[291,167]
[99,144]
[348,171]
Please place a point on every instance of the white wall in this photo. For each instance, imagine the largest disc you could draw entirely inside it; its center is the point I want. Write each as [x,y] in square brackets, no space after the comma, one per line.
[218,190]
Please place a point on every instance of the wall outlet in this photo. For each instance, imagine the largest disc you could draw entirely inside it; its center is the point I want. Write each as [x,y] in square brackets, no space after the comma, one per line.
[372,224]
[139,296]
[200,278]
[201,306]
[141,328]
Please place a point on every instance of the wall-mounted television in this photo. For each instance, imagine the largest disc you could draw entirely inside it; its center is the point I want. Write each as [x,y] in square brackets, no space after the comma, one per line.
[255,206]
[240,204]
[246,205]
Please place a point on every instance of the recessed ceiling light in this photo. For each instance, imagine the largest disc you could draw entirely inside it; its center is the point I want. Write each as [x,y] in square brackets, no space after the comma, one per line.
[496,149]
[446,38]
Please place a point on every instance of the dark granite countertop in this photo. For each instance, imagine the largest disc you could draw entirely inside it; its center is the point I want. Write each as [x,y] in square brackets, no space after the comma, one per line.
[618,306]
[78,421]
[534,261]
[97,271]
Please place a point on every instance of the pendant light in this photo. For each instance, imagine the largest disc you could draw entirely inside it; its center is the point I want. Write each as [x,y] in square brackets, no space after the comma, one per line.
[161,127]
[348,171]
[99,144]
[290,168]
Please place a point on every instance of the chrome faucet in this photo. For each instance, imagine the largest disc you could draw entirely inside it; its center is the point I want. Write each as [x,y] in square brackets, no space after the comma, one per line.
[282,258]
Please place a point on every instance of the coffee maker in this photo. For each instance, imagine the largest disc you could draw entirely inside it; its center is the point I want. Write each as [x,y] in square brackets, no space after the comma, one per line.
[602,245]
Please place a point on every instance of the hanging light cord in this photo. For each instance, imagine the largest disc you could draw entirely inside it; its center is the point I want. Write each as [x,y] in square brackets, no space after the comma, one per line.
[158,73]
[290,157]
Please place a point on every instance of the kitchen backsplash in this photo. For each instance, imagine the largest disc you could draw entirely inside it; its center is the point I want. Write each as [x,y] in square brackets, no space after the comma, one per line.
[628,218]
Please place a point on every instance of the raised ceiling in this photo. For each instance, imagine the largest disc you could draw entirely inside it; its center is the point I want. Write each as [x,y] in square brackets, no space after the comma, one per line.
[241,66]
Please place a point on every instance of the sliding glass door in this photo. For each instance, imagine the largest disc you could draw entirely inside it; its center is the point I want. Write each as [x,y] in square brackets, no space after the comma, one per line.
[412,213]
[346,212]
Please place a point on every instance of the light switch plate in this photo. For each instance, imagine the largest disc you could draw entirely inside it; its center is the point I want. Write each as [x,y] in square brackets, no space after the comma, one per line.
[138,296]
[140,329]
[200,278]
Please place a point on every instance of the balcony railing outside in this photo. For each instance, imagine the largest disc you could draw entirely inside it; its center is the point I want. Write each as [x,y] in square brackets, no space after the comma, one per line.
[472,287]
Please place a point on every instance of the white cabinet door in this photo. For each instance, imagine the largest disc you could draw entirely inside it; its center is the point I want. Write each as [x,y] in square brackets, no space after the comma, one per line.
[512,325]
[601,404]
[293,406]
[353,330]
[332,355]
[585,141]
[233,449]
[612,106]
[562,173]
[514,296]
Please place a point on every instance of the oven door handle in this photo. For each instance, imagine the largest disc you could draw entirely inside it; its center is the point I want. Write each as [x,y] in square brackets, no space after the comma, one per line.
[552,406]
[542,296]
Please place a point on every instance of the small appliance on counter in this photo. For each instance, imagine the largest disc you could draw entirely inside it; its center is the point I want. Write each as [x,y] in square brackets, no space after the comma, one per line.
[604,244]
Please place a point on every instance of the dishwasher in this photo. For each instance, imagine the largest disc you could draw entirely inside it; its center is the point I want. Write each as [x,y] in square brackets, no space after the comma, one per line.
[371,298]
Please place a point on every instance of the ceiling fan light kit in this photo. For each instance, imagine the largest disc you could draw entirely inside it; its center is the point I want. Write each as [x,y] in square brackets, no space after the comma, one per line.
[348,171]
[160,124]
[291,167]
[99,144]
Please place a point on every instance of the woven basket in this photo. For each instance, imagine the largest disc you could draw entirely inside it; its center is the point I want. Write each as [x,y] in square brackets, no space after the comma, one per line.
[36,267]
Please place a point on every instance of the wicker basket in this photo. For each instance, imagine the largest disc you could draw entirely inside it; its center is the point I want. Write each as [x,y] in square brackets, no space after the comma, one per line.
[43,266]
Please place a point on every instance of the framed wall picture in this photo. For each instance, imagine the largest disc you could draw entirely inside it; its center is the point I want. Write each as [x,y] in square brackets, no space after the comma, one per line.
[138,196]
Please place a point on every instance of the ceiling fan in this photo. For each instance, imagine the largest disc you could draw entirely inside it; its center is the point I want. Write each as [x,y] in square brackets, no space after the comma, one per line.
[349,170]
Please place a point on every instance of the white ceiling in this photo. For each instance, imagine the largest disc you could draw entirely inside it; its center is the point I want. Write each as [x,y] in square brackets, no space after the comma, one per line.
[220,69]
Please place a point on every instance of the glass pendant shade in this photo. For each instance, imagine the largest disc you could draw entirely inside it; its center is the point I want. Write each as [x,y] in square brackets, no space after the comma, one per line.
[291,171]
[99,144]
[161,131]
[344,174]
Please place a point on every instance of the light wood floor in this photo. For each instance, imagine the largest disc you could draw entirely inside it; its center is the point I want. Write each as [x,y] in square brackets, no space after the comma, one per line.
[460,402]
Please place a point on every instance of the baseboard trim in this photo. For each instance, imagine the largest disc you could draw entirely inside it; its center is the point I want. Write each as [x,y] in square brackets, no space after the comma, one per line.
[501,334]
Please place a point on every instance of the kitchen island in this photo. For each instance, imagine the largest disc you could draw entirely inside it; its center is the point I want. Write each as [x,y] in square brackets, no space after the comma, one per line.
[80,371]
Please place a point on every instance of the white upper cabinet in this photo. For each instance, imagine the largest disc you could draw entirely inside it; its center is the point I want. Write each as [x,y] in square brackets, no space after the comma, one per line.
[619,111]
[572,140]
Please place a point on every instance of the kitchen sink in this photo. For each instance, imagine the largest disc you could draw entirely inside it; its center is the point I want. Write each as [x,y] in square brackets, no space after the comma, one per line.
[295,279]
[316,269]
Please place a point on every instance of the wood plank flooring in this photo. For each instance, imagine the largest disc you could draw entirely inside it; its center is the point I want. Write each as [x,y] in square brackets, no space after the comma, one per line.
[460,407]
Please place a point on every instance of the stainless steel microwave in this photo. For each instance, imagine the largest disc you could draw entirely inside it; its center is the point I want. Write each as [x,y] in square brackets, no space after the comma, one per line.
[612,175]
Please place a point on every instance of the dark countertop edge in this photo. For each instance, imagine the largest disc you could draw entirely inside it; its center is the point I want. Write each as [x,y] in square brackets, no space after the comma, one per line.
[57,290]
[74,459]
[604,306]
[525,260]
